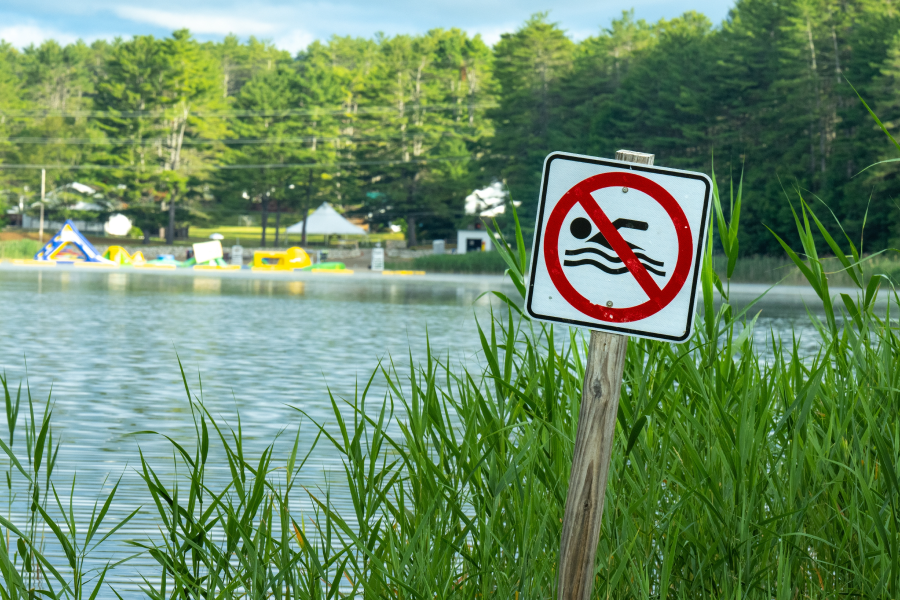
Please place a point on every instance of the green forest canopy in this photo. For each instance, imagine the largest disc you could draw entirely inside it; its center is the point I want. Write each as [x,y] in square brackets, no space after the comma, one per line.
[404,127]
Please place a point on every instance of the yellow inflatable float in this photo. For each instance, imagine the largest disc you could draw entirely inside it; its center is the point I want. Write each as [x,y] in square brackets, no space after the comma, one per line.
[121,257]
[281,260]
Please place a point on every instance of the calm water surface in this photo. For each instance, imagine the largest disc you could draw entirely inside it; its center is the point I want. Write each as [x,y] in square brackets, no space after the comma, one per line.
[108,344]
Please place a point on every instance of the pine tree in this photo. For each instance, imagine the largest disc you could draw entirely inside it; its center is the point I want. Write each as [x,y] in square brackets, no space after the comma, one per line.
[159,100]
[419,119]
[55,83]
[600,66]
[762,93]
[130,95]
[10,100]
[529,66]
[659,107]
[267,135]
[58,78]
[867,37]
[238,62]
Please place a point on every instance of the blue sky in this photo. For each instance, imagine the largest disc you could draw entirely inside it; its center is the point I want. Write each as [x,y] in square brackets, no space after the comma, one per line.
[293,24]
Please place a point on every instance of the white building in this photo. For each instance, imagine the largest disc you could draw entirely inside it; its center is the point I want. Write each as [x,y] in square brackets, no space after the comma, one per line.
[117,224]
[482,204]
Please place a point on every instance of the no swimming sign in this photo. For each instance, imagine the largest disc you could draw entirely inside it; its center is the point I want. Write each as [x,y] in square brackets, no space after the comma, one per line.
[618,246]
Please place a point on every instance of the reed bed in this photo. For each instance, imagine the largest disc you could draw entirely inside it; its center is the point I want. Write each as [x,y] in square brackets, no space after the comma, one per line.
[732,476]
[749,269]
[782,270]
[23,248]
[490,263]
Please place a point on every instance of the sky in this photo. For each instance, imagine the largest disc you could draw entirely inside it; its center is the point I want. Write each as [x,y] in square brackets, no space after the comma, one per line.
[293,24]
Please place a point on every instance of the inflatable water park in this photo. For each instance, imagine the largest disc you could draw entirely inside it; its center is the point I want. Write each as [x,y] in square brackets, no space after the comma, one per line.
[70,247]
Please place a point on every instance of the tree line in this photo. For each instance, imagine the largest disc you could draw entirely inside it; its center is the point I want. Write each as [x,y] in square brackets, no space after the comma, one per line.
[399,129]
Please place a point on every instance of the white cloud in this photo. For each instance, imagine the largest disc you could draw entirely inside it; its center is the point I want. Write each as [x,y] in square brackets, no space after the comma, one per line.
[491,35]
[293,41]
[197,22]
[22,36]
[293,24]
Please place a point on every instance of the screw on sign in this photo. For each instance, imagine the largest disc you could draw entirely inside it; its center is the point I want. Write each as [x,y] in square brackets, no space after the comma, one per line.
[617,249]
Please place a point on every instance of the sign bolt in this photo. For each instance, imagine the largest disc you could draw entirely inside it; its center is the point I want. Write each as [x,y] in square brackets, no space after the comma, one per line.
[624,190]
[609,303]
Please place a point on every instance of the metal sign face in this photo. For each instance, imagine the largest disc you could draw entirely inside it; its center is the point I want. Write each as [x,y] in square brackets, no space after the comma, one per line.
[618,246]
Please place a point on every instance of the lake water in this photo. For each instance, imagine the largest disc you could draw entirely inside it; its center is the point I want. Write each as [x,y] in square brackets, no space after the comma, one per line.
[108,342]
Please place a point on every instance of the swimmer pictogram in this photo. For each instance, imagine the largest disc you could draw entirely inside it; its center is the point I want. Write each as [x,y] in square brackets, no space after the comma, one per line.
[581,229]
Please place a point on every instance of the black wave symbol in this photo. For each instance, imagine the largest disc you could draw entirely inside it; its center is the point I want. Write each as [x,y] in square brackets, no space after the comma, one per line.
[602,267]
[615,259]
[581,228]
[594,263]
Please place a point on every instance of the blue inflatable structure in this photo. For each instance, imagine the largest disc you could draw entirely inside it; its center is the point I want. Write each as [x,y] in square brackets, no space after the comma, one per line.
[68,245]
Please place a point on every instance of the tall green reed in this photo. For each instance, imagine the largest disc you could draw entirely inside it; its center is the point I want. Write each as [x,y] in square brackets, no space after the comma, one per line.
[240,540]
[25,565]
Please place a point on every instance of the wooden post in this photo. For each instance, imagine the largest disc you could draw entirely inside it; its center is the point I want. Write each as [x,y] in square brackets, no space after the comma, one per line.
[593,449]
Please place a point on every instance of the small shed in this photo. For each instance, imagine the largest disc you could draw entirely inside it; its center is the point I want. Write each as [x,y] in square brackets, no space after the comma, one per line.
[473,240]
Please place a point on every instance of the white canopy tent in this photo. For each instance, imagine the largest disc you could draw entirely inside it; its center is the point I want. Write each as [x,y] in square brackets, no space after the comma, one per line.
[326,221]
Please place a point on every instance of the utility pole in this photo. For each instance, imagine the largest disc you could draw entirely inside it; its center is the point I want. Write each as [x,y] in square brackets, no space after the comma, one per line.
[306,207]
[43,191]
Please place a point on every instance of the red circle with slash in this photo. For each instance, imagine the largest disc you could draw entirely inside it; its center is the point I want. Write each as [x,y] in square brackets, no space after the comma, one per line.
[581,194]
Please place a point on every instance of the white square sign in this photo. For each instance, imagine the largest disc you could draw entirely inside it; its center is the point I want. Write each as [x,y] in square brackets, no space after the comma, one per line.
[207,251]
[618,246]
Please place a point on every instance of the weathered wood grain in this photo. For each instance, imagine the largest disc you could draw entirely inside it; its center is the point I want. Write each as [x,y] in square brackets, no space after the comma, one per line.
[590,464]
[635,157]
[593,449]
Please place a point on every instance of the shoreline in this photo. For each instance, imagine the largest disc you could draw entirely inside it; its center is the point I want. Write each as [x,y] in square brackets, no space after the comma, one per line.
[740,292]
[357,275]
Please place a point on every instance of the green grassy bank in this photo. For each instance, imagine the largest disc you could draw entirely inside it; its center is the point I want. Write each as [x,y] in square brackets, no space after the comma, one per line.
[23,248]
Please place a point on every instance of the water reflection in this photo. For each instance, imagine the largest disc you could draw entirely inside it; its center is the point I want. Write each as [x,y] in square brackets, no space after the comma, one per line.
[117,282]
[207,285]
